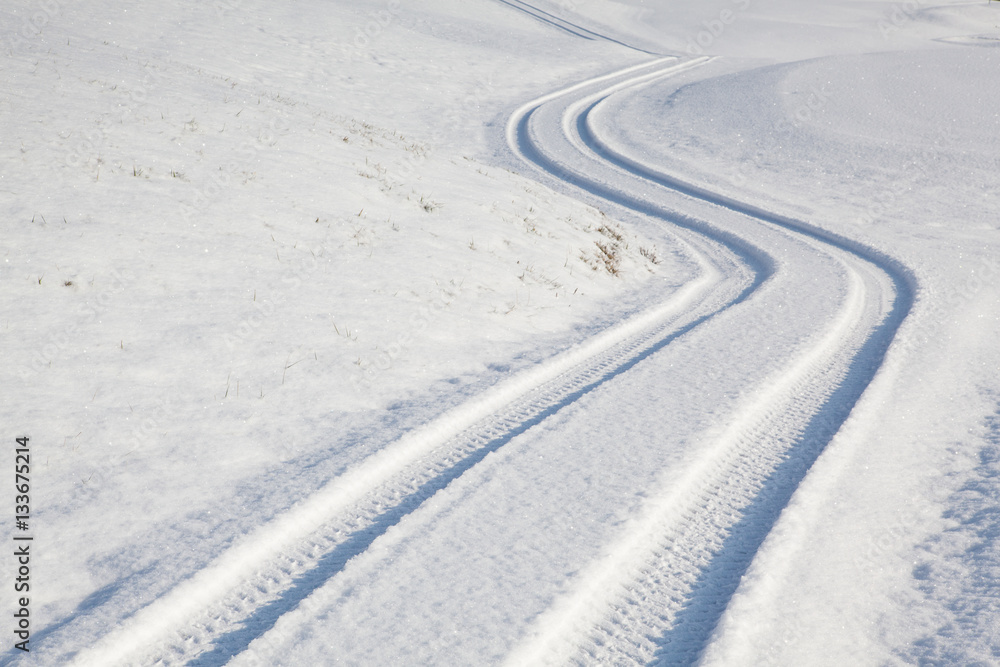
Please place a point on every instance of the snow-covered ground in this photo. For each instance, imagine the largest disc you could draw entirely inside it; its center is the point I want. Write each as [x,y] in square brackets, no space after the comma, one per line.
[502,332]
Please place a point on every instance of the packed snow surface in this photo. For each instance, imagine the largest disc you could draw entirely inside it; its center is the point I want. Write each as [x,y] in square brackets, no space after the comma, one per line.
[524,332]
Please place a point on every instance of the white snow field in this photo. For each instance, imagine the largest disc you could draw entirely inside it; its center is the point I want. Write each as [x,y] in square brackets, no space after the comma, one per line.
[500,332]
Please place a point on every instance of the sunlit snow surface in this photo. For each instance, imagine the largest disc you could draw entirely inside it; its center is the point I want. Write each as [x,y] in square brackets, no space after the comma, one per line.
[333,349]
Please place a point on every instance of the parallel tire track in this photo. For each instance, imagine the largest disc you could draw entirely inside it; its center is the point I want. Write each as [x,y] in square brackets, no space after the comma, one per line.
[659,590]
[220,609]
[551,20]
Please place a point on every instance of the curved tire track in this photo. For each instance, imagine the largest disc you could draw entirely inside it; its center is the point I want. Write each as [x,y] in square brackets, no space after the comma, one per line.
[220,609]
[659,591]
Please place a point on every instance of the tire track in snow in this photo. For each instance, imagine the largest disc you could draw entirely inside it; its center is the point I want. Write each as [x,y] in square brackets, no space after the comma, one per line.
[525,147]
[658,592]
[562,24]
[221,608]
[551,20]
